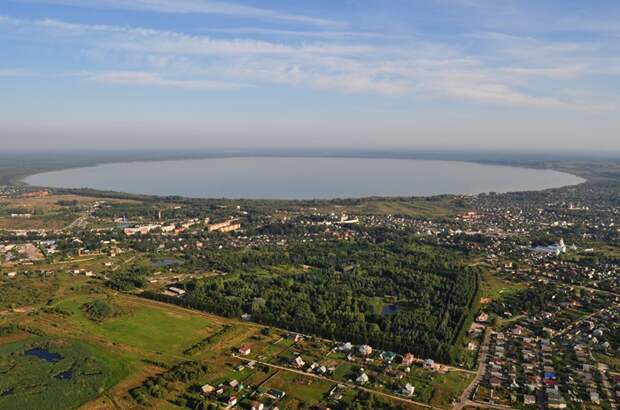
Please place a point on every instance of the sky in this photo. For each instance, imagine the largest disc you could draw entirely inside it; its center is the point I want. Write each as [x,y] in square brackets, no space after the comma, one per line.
[386,74]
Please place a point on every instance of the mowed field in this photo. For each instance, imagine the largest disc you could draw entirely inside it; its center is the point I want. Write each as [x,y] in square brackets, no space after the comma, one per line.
[151,329]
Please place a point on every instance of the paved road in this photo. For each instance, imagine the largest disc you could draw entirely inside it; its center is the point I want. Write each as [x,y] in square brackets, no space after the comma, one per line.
[81,221]
[484,405]
[124,262]
[482,367]
[611,396]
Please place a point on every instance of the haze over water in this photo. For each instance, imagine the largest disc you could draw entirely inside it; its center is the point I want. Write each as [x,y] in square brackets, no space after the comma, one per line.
[303,178]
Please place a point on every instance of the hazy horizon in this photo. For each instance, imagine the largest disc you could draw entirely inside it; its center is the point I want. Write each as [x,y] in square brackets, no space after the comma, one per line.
[471,75]
[187,152]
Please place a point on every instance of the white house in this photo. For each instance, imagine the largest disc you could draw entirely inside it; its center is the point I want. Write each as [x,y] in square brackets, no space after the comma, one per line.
[408,390]
[365,350]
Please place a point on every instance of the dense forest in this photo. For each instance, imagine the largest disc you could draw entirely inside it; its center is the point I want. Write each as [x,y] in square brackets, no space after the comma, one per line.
[340,291]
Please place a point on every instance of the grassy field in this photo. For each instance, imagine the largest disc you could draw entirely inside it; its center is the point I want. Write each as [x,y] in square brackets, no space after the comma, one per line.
[145,328]
[24,291]
[494,287]
[44,281]
[300,388]
[47,221]
[447,387]
[19,293]
[436,207]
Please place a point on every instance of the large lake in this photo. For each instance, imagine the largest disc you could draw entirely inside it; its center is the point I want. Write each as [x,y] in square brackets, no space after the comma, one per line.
[303,178]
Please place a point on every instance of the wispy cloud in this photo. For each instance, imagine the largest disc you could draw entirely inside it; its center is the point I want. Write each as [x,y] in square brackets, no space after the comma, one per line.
[502,76]
[15,72]
[196,7]
[559,72]
[495,93]
[142,78]
[161,41]
[302,33]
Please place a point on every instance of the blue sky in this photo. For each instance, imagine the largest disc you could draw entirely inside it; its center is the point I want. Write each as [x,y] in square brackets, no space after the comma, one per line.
[477,74]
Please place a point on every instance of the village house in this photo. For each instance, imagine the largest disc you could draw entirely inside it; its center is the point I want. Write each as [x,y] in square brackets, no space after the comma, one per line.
[277,394]
[298,362]
[176,291]
[482,318]
[408,359]
[207,389]
[365,350]
[495,381]
[430,364]
[255,405]
[362,378]
[595,397]
[388,356]
[555,399]
[408,390]
[232,400]
[345,347]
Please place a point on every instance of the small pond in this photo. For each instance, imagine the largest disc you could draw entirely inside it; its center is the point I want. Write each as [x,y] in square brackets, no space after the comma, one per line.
[44,354]
[66,375]
[161,263]
[389,310]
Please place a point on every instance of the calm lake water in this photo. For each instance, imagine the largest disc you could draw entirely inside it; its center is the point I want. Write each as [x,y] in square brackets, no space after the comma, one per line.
[303,178]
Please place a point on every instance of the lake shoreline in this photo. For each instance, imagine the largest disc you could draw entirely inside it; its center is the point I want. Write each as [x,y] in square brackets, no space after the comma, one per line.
[369,156]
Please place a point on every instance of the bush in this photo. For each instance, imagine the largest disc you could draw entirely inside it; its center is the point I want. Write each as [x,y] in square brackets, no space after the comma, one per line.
[138,394]
[6,330]
[98,310]
[127,282]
